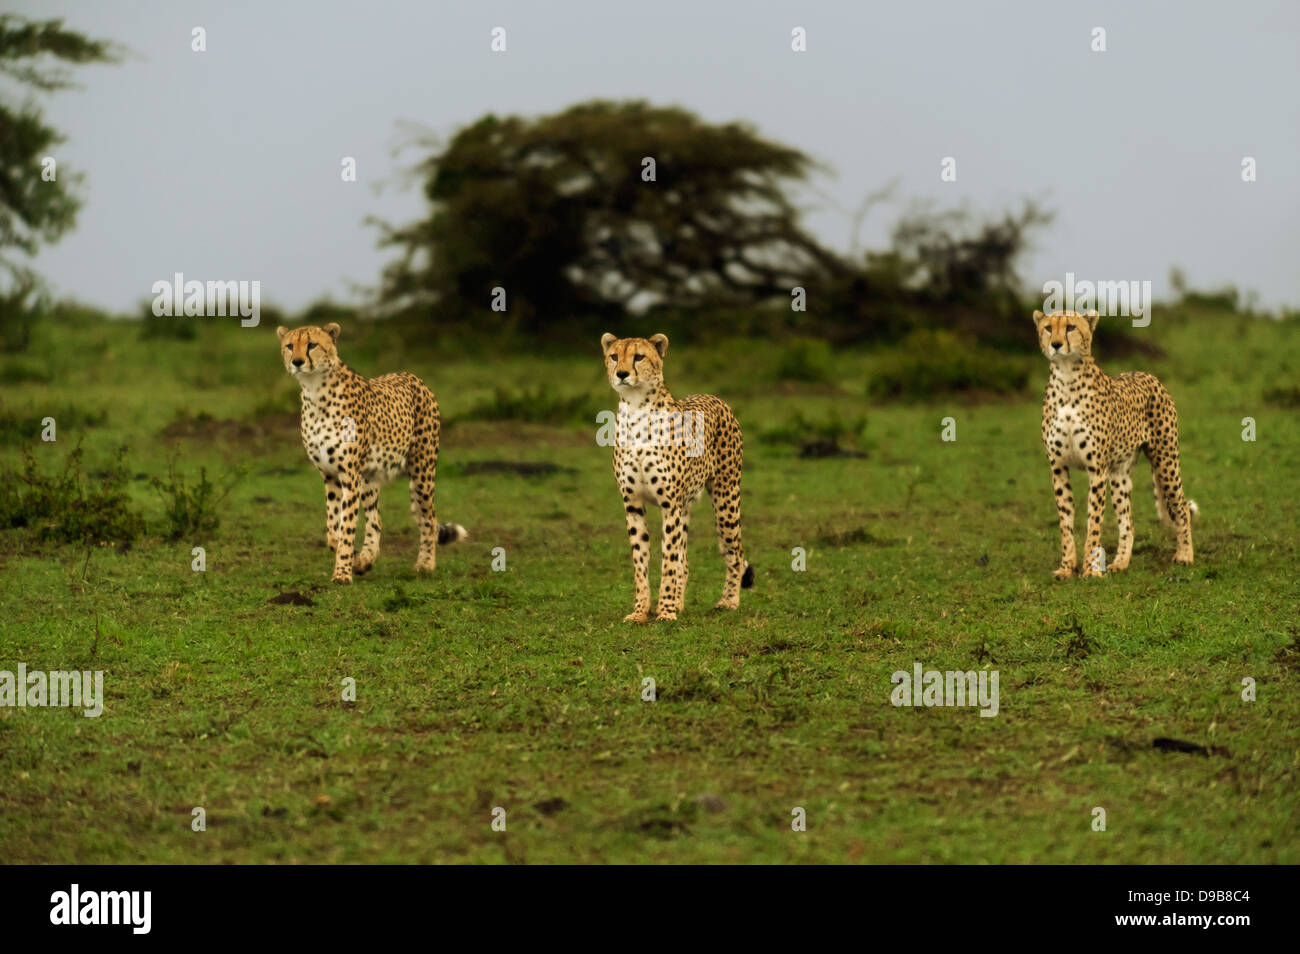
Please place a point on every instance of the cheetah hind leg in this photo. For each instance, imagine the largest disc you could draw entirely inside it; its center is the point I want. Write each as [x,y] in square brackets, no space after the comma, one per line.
[1174,510]
[422,509]
[740,575]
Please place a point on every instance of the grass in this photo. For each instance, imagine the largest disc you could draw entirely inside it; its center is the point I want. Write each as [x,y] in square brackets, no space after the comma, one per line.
[522,689]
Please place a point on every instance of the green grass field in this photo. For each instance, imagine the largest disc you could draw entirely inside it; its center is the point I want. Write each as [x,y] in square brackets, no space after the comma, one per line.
[522,689]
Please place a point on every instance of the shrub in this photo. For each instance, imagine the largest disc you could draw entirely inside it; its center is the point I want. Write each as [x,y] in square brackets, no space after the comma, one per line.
[191,511]
[804,359]
[928,363]
[64,508]
[25,424]
[801,431]
[1287,396]
[542,406]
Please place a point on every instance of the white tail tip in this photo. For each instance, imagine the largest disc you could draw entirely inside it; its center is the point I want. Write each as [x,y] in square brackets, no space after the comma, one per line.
[1191,505]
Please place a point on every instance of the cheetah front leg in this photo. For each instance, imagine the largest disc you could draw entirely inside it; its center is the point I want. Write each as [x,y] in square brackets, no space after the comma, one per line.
[331,510]
[374,526]
[349,498]
[1121,495]
[1093,555]
[674,568]
[638,535]
[1065,512]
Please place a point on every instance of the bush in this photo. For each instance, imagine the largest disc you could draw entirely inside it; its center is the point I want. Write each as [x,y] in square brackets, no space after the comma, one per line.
[24,425]
[1287,396]
[191,511]
[804,359]
[929,363]
[542,406]
[25,372]
[169,327]
[62,507]
[801,431]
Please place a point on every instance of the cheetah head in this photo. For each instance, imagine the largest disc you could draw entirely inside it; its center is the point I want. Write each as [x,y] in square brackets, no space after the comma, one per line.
[309,350]
[635,365]
[1066,335]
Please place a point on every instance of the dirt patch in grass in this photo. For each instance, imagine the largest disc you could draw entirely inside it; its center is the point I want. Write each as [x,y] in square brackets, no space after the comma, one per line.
[203,426]
[521,468]
[291,598]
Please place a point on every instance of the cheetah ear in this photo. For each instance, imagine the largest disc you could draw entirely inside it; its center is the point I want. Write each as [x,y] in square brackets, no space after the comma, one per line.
[1038,316]
[333,330]
[1093,318]
[661,344]
[281,332]
[606,340]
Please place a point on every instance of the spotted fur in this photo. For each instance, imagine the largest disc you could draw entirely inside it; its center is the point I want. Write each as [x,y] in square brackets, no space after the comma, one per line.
[673,473]
[361,433]
[1099,424]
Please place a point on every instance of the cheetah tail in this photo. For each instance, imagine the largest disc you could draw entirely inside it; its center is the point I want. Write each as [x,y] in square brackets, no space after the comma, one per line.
[747,581]
[451,532]
[1191,505]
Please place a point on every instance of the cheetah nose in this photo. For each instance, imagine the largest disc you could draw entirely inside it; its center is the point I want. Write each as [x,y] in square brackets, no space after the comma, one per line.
[298,362]
[622,375]
[1056,346]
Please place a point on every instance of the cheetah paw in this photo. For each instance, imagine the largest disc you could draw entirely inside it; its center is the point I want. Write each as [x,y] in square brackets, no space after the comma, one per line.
[637,617]
[663,617]
[1064,573]
[341,578]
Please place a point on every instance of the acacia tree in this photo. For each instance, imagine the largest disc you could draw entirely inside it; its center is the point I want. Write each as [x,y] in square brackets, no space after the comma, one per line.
[598,210]
[34,207]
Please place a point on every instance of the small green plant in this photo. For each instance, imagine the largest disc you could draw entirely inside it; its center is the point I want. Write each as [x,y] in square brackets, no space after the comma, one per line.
[191,511]
[66,507]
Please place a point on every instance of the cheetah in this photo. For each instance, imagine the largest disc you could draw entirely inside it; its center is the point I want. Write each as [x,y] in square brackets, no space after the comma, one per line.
[361,433]
[668,453]
[1099,423]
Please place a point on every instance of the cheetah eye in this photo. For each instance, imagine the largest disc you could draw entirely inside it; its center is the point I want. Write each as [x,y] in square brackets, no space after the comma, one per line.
[613,356]
[1069,328]
[637,358]
[310,345]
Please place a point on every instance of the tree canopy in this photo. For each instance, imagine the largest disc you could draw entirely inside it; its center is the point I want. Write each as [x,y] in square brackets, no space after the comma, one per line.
[598,210]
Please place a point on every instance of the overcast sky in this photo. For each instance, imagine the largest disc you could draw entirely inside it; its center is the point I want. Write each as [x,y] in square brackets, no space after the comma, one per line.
[225,164]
